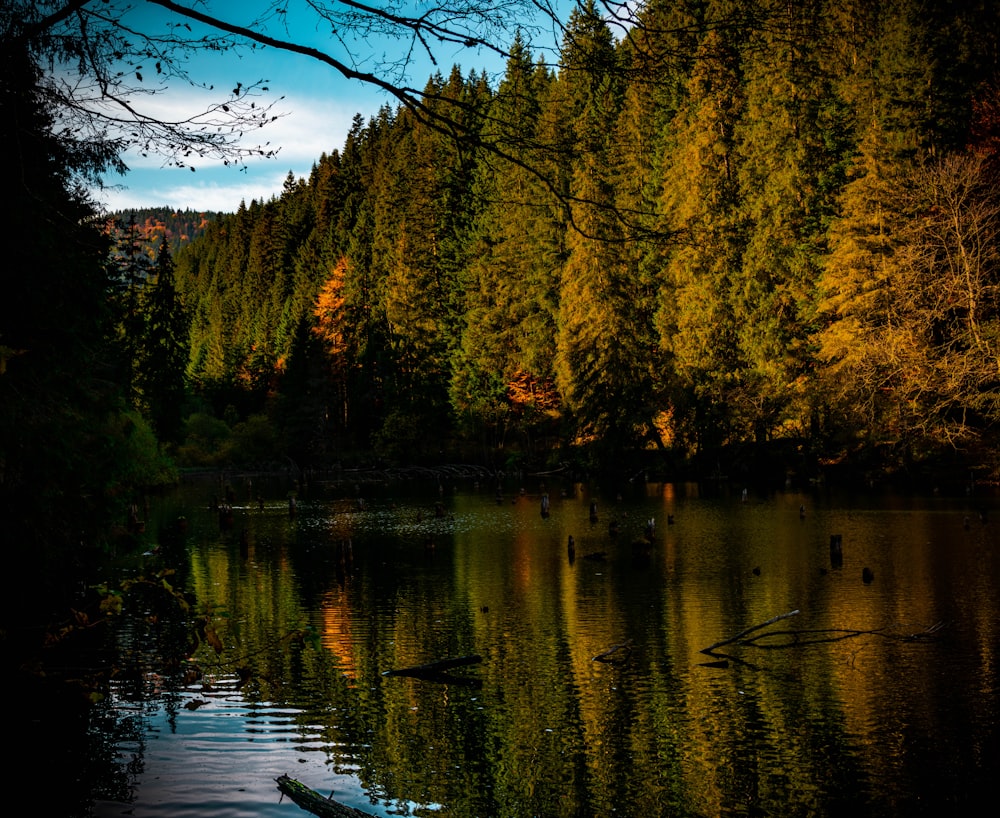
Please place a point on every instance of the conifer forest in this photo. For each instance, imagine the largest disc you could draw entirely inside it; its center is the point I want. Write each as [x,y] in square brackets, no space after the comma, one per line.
[728,236]
[737,227]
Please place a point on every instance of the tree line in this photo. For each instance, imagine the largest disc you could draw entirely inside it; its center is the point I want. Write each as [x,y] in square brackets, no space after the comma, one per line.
[728,227]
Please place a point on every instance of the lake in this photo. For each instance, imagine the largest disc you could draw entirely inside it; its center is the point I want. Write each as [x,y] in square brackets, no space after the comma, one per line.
[587,689]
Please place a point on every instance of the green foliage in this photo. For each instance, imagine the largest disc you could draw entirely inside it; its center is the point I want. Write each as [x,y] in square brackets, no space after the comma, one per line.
[135,455]
[73,452]
[254,441]
[162,353]
[206,441]
[213,443]
[657,252]
[404,438]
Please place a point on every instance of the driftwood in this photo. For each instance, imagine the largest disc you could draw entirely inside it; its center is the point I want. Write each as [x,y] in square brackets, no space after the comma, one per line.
[609,654]
[741,634]
[436,670]
[312,801]
[787,639]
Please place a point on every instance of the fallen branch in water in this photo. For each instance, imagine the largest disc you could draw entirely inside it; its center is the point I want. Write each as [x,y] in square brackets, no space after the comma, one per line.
[313,802]
[606,655]
[789,639]
[741,634]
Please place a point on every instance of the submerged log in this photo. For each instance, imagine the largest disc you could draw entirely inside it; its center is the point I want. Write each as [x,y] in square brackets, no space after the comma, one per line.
[609,654]
[435,669]
[836,550]
[313,802]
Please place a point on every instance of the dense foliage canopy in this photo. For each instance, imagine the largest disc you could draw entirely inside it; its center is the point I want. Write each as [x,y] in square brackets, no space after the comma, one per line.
[733,224]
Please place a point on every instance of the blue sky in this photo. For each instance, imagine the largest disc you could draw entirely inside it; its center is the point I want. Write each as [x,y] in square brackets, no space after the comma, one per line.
[317,106]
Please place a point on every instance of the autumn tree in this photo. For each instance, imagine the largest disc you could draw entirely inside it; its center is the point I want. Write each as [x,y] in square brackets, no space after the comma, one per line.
[911,350]
[332,329]
[886,334]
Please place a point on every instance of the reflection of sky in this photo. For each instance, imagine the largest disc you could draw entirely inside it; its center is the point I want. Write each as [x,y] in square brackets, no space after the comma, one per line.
[215,753]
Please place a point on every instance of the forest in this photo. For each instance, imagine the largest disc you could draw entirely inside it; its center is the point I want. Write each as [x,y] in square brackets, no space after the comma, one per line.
[729,239]
[735,237]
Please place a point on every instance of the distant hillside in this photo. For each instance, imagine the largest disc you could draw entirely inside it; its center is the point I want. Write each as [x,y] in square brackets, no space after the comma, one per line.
[152,224]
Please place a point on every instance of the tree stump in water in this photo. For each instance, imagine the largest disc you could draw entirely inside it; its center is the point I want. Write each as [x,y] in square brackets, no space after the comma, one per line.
[836,550]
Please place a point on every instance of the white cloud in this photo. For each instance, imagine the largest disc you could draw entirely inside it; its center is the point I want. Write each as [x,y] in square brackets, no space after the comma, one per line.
[308,128]
[179,193]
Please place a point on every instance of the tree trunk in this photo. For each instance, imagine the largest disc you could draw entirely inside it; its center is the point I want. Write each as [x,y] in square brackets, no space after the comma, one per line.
[313,802]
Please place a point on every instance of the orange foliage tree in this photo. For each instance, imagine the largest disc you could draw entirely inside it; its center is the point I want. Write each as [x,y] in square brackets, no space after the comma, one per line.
[330,318]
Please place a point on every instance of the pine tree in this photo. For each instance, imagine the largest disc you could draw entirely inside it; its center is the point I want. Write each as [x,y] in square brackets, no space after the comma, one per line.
[503,371]
[162,361]
[72,454]
[786,145]
[601,363]
[132,270]
[881,343]
[699,209]
[426,207]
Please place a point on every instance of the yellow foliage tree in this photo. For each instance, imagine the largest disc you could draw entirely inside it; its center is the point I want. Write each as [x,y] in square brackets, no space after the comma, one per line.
[330,318]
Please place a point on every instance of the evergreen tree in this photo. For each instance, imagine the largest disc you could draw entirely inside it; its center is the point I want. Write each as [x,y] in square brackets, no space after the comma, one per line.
[427,200]
[263,291]
[368,150]
[72,454]
[600,366]
[699,208]
[784,143]
[162,361]
[134,268]
[909,352]
[638,251]
[879,349]
[201,285]
[503,372]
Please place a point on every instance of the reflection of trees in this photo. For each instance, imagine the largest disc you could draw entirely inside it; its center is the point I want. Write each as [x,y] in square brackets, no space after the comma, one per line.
[551,731]
[152,631]
[116,743]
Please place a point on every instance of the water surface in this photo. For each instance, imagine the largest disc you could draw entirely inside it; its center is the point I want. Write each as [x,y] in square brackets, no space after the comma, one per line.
[594,695]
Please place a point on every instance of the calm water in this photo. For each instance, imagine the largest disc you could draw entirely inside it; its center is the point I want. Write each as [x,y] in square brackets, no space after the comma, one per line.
[594,696]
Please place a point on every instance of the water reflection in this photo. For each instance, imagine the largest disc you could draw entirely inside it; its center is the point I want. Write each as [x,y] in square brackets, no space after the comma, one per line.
[836,710]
